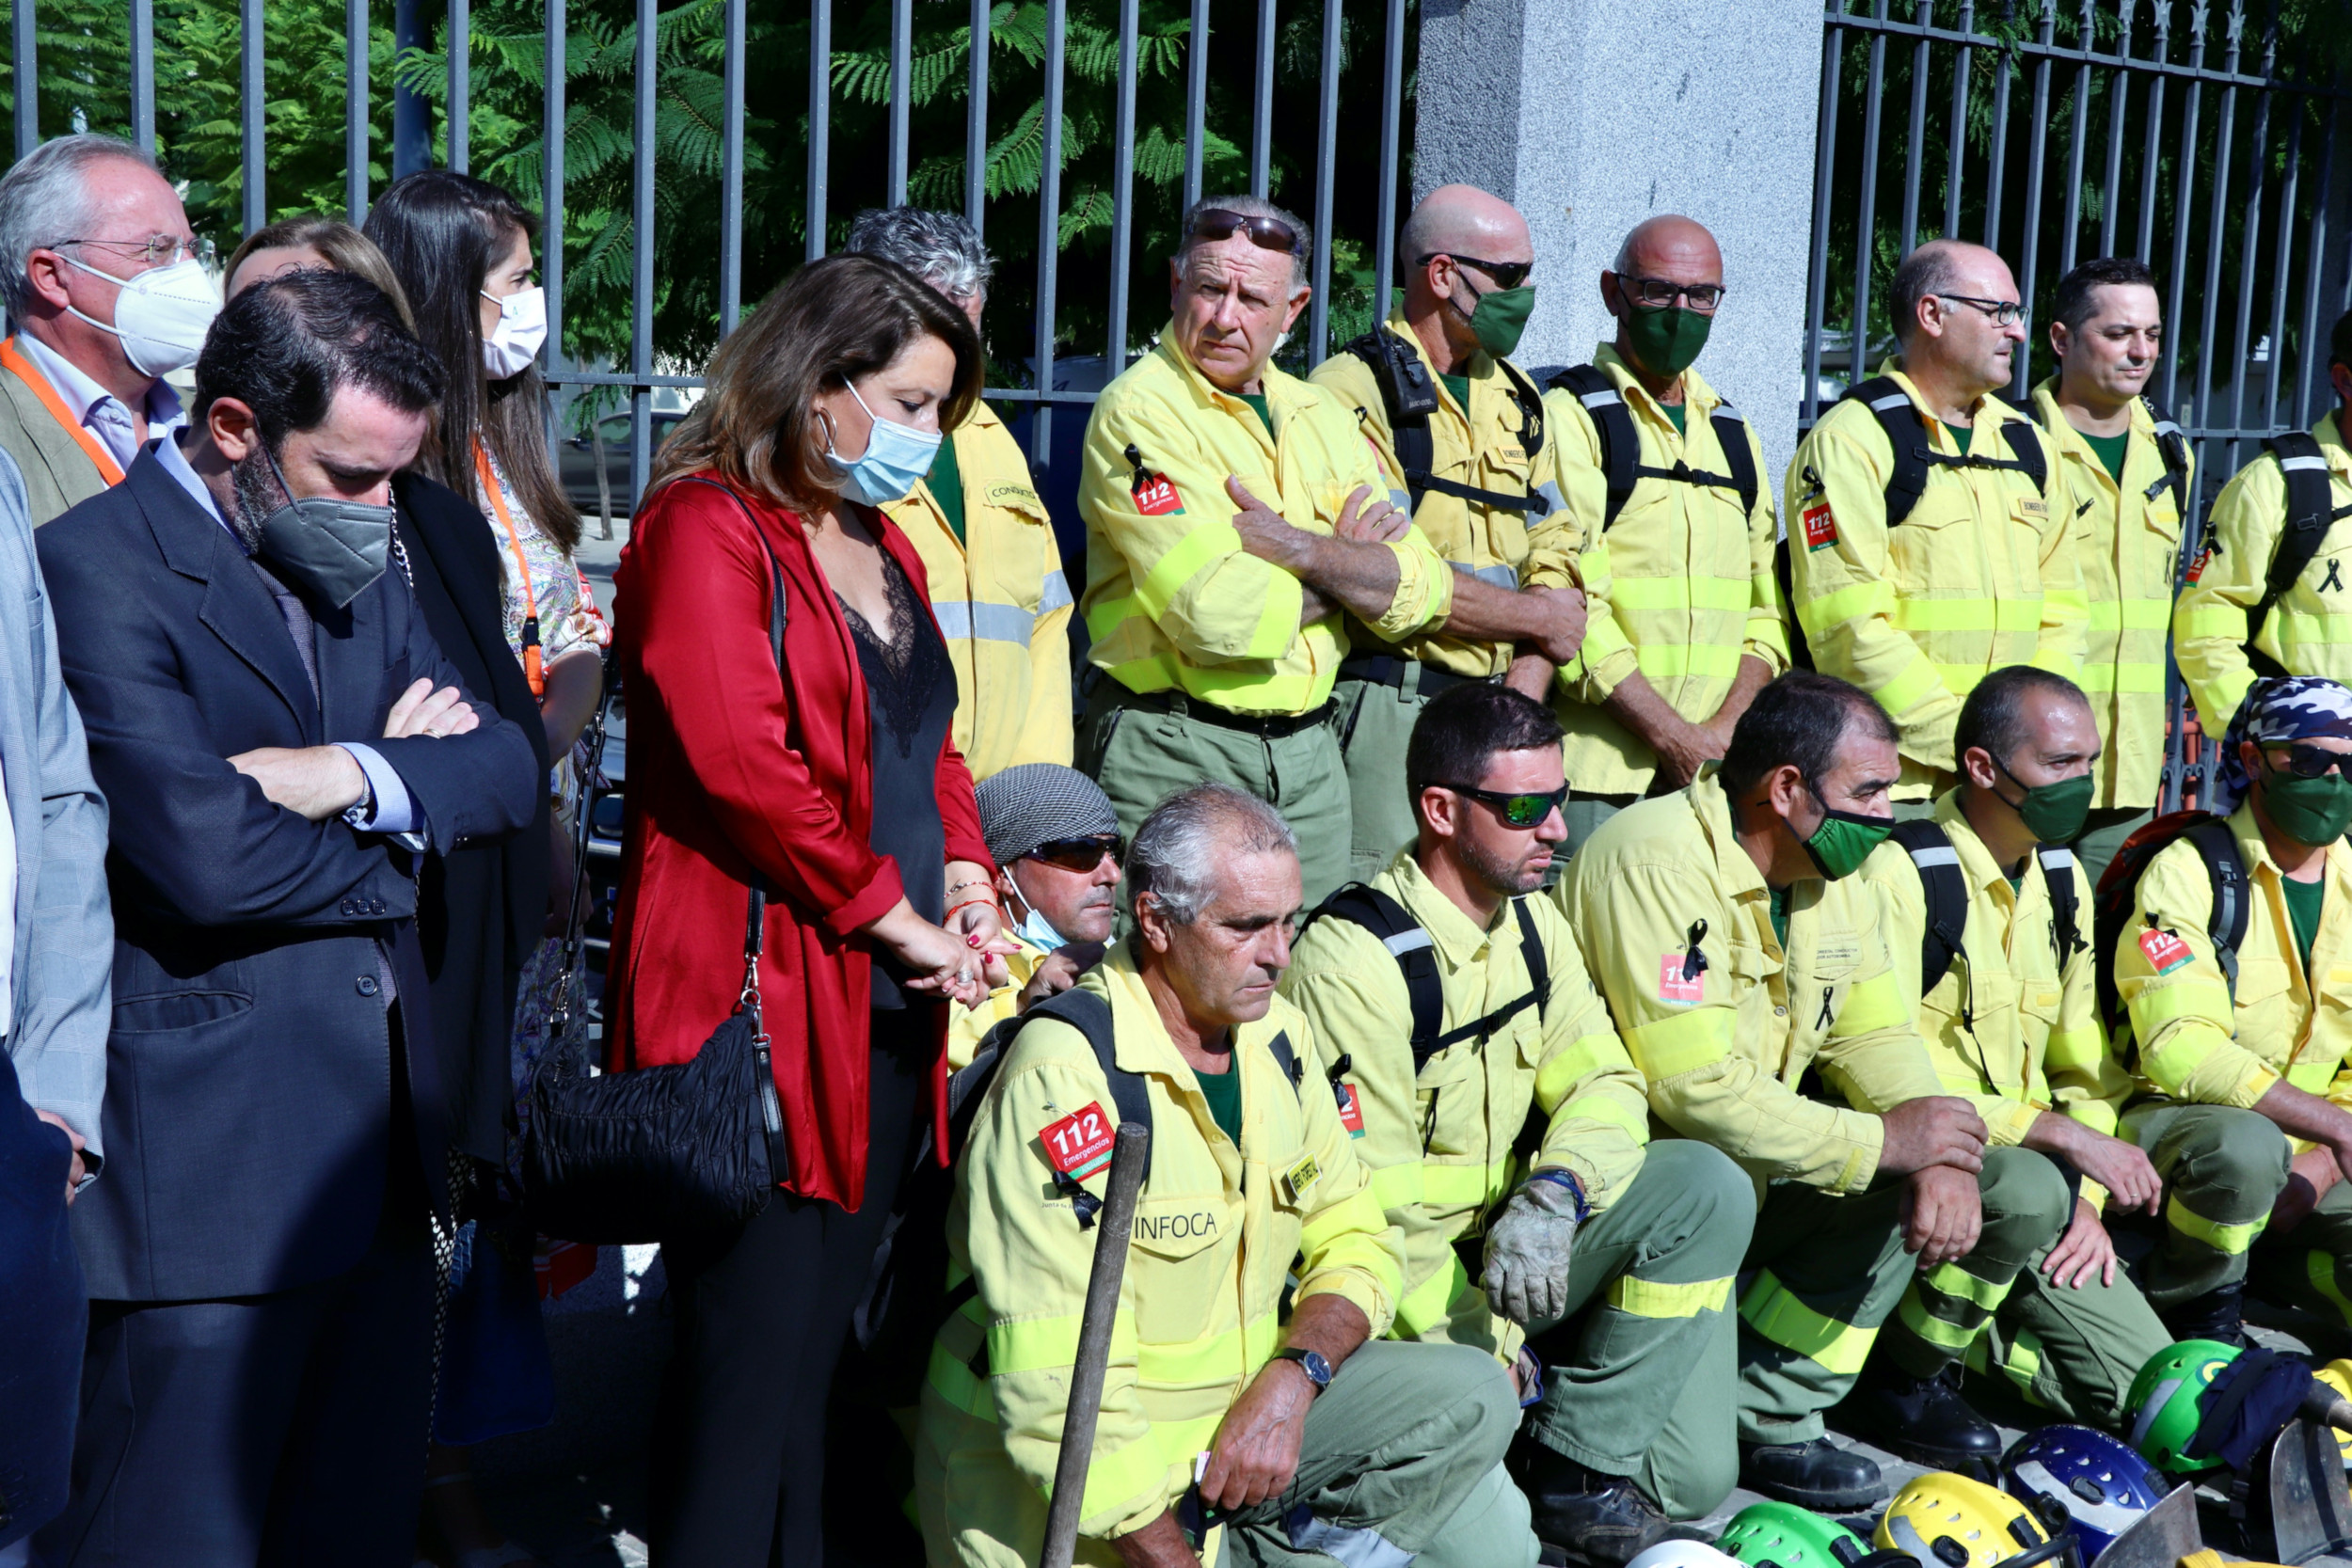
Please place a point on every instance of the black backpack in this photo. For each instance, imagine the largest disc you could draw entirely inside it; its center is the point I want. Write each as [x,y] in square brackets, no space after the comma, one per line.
[1621,462]
[1938,865]
[2310,512]
[2112,917]
[1409,397]
[1417,960]
[2173,446]
[1914,459]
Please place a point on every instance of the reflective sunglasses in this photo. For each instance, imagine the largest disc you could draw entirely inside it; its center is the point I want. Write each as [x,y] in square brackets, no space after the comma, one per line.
[1658,293]
[1077,854]
[2005,312]
[1220,223]
[2308,762]
[1507,274]
[1516,811]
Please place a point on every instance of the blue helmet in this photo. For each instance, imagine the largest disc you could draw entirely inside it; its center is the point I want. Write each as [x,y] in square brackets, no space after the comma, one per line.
[2101,1483]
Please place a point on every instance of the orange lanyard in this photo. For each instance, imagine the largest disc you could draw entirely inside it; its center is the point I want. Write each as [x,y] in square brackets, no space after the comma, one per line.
[108,469]
[533,670]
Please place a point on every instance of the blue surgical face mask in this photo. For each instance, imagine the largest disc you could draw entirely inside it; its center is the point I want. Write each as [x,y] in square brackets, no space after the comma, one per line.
[896,456]
[1039,933]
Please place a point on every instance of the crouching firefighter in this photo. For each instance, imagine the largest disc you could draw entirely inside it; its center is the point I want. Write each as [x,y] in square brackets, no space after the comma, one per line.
[2231,938]
[1744,967]
[1988,922]
[1447,1005]
[1235,1398]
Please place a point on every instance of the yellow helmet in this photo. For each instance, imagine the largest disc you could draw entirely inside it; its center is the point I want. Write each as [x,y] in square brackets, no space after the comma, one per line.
[1942,1520]
[2338,1375]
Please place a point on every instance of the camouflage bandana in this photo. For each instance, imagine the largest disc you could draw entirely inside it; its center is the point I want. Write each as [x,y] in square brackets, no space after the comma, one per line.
[2277,713]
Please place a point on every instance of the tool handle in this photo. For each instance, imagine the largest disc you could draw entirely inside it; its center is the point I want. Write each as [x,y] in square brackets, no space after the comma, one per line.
[1130,1155]
[2327,1407]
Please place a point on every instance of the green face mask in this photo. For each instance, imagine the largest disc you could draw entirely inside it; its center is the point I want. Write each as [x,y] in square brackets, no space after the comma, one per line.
[1499,317]
[2309,810]
[1845,839]
[2053,813]
[1666,338]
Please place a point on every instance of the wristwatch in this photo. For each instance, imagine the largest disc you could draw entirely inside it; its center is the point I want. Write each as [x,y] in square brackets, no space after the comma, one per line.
[1318,1370]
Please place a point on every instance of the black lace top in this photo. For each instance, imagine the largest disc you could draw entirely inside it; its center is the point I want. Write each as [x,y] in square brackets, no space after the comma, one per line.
[910,699]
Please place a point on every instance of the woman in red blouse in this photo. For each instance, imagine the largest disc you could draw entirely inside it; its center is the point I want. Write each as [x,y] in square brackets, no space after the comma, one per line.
[837,787]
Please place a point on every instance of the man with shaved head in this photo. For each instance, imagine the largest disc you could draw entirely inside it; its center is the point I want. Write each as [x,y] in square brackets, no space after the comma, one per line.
[1236,525]
[1663,479]
[1923,552]
[1459,431]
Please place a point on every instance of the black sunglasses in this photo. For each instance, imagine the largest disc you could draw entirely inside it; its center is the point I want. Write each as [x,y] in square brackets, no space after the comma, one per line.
[1516,811]
[1507,274]
[1221,223]
[1076,854]
[2311,762]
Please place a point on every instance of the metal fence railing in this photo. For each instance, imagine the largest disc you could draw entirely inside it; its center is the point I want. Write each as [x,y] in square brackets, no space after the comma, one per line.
[2197,136]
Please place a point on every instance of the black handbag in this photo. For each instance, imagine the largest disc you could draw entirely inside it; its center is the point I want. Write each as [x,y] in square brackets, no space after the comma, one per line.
[662,1151]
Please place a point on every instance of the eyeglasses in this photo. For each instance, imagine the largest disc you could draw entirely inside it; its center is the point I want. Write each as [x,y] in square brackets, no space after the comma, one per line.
[2312,762]
[161,251]
[1220,223]
[1516,811]
[2005,312]
[1076,854]
[1658,292]
[1507,274]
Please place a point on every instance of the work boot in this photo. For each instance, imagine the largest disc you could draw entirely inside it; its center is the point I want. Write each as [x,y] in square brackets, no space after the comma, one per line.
[2218,1314]
[1923,1420]
[1584,1517]
[1817,1474]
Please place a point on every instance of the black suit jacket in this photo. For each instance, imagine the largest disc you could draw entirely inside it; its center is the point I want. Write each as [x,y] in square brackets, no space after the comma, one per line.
[253,1102]
[479,911]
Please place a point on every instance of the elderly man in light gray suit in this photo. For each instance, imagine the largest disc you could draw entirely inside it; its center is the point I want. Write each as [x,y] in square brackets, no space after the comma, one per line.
[56,955]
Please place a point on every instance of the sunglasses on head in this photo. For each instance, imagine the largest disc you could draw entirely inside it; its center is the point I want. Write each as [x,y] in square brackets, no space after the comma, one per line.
[1076,854]
[1507,274]
[1220,223]
[1516,811]
[2311,762]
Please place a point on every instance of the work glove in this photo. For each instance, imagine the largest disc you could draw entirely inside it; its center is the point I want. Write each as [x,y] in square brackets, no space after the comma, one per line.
[1527,1252]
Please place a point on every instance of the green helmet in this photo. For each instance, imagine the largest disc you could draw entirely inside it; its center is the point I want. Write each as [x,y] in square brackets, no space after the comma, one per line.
[1790,1537]
[2164,1402]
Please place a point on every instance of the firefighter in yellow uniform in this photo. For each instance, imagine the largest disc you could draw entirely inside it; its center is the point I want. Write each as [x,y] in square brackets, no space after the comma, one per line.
[2244,1102]
[1460,432]
[1446,1004]
[1235,516]
[1217,1410]
[1747,977]
[987,543]
[2230,627]
[1666,482]
[1922,552]
[1988,924]
[2121,473]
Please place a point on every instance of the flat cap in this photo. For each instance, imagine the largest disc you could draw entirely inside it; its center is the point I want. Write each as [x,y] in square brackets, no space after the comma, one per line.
[1041,802]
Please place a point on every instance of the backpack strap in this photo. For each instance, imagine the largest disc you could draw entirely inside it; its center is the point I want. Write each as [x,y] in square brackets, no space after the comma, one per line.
[2173,446]
[2310,515]
[1090,1015]
[1531,400]
[1731,433]
[1531,951]
[1407,943]
[1906,432]
[2233,894]
[2057,875]
[1938,865]
[1612,426]
[1409,397]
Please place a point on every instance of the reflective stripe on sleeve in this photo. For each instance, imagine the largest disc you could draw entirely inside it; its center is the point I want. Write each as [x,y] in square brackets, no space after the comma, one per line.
[991,622]
[1669,1047]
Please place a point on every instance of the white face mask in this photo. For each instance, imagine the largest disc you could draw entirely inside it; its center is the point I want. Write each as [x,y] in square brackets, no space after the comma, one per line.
[510,349]
[1039,932]
[161,315]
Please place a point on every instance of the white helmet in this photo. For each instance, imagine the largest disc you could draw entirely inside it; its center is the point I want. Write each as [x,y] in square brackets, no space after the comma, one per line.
[1683,1554]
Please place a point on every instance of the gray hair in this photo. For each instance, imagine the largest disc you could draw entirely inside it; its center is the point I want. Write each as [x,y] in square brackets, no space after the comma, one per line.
[941,248]
[45,200]
[1189,834]
[1253,207]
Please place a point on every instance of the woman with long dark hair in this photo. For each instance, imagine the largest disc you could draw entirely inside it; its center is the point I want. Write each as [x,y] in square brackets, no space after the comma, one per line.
[830,778]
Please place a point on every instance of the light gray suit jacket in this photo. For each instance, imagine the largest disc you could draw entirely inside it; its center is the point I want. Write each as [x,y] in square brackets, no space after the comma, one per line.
[65,935]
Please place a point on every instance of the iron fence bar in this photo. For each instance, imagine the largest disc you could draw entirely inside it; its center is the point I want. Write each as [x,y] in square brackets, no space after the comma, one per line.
[1921,10]
[2316,269]
[2037,144]
[355,110]
[2160,44]
[1196,99]
[1967,38]
[2119,98]
[24,63]
[731,174]
[252,42]
[1327,163]
[1825,164]
[1123,188]
[143,74]
[553,71]
[457,123]
[618,378]
[1391,115]
[1262,112]
[975,121]
[1049,226]
[2185,190]
[819,124]
[1957,142]
[1997,175]
[2224,128]
[2250,236]
[640,257]
[1865,223]
[901,70]
[2071,242]
[2282,263]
